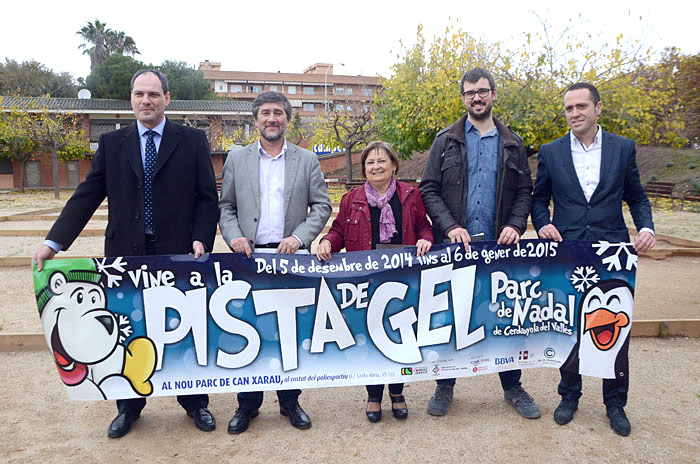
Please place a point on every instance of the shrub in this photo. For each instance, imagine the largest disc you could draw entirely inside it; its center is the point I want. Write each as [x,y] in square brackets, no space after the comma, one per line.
[669,164]
[653,178]
[695,184]
[691,166]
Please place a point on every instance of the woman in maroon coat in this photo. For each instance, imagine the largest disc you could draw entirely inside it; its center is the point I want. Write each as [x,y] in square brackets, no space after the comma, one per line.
[385,211]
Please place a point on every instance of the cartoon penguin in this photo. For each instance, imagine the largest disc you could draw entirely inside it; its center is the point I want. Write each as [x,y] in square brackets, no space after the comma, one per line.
[605,321]
[83,335]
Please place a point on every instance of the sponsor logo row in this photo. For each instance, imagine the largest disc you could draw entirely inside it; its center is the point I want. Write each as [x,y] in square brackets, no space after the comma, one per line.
[479,364]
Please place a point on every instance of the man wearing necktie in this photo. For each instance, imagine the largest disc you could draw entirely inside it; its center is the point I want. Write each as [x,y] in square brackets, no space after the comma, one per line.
[162,199]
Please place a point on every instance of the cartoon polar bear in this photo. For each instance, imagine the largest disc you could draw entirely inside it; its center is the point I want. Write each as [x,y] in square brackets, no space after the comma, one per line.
[83,336]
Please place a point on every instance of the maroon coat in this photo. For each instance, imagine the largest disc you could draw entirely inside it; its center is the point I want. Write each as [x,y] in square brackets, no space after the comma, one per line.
[352,228]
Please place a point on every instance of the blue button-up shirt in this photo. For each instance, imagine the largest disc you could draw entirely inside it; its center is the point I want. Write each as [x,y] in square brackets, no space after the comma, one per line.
[482,175]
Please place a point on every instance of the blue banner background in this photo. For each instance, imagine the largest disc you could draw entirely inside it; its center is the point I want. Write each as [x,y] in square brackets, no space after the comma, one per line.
[362,363]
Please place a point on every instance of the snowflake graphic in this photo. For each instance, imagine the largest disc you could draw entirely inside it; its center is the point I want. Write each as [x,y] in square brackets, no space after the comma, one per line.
[612,261]
[583,277]
[113,279]
[125,329]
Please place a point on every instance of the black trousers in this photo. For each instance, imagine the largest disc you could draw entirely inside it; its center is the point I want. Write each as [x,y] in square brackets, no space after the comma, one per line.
[509,379]
[251,401]
[614,390]
[189,402]
[377,391]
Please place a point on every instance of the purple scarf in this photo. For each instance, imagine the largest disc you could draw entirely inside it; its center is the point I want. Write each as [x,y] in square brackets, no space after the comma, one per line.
[387,223]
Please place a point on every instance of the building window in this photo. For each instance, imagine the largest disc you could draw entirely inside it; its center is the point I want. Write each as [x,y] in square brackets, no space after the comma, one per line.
[5,166]
[339,107]
[339,91]
[292,89]
[235,88]
[308,107]
[256,88]
[366,92]
[348,91]
[365,108]
[98,128]
[273,88]
[349,107]
[308,90]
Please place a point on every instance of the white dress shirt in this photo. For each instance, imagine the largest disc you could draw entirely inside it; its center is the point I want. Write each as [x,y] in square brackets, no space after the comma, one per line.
[271,220]
[587,162]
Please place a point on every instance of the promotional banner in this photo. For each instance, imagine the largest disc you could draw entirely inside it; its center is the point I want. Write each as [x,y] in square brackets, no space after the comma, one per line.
[170,325]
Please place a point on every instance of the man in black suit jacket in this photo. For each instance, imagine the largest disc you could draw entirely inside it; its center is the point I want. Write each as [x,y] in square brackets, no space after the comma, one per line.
[165,207]
[589,173]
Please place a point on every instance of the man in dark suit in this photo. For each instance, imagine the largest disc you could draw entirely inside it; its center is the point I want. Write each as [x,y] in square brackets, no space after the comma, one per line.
[273,197]
[160,185]
[589,173]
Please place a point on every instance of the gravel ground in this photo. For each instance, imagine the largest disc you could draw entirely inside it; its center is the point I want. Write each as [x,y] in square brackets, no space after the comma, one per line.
[41,425]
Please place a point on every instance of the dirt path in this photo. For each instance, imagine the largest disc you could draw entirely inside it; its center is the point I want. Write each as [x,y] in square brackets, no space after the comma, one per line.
[39,423]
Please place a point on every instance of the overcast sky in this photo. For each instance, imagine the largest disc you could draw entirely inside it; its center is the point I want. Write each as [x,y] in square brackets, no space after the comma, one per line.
[288,36]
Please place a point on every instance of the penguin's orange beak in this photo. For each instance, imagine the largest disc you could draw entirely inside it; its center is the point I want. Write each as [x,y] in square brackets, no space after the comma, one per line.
[605,327]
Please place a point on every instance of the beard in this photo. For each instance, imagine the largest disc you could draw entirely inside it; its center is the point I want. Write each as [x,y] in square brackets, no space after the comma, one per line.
[272,137]
[485,114]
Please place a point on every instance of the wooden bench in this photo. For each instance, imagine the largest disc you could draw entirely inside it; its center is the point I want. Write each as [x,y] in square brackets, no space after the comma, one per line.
[689,195]
[660,189]
[359,183]
[353,184]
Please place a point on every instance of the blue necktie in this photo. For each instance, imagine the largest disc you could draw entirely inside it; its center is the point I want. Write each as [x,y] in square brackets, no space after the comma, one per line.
[148,169]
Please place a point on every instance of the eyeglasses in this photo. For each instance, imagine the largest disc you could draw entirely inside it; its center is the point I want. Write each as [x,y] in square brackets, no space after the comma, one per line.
[483,93]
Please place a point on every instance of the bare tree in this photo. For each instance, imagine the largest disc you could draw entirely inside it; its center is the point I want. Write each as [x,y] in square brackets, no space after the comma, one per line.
[352,125]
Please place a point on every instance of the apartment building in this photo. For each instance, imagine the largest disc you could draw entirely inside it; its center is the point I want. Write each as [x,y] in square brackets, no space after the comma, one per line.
[311,93]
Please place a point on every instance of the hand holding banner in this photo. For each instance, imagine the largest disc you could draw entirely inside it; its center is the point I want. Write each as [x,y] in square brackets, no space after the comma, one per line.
[171,325]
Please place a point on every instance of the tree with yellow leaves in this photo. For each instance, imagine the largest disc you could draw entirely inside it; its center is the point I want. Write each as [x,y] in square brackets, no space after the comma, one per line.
[422,95]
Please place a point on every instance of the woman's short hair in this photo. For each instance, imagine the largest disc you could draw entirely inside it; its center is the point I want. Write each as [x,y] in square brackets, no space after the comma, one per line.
[379,145]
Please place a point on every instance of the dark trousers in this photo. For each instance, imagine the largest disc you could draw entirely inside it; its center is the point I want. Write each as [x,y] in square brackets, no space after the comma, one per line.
[614,390]
[376,392]
[189,402]
[509,379]
[251,401]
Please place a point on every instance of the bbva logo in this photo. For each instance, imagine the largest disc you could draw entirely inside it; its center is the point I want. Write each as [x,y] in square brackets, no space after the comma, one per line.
[504,360]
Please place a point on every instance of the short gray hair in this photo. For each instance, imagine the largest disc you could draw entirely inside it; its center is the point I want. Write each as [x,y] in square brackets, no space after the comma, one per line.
[272,97]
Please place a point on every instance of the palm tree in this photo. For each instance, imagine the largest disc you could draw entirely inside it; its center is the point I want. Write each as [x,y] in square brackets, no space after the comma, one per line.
[118,43]
[105,42]
[95,35]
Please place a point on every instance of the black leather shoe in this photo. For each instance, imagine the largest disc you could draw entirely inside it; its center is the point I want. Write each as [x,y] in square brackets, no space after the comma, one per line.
[297,416]
[374,416]
[565,411]
[203,419]
[618,421]
[121,424]
[399,413]
[241,420]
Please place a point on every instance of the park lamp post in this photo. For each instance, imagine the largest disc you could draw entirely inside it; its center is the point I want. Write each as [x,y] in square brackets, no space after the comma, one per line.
[325,87]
